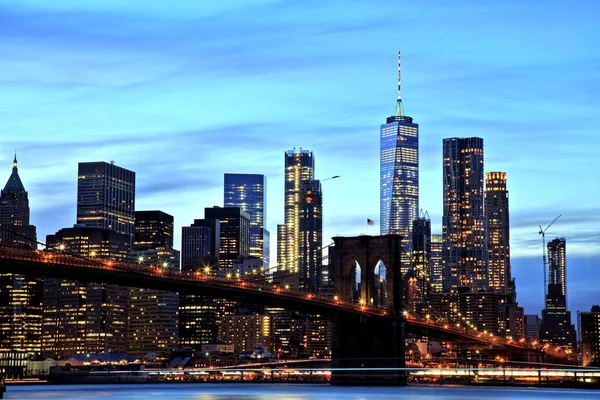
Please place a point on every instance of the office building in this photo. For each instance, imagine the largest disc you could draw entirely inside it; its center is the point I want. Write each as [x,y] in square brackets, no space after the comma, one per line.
[20,295]
[249,192]
[153,315]
[85,317]
[498,244]
[234,237]
[556,328]
[301,235]
[245,332]
[532,327]
[589,328]
[437,276]
[399,175]
[106,197]
[200,244]
[464,254]
[421,254]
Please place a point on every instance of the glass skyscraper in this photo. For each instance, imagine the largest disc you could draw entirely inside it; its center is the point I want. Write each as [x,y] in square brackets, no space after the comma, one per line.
[463,223]
[399,176]
[249,192]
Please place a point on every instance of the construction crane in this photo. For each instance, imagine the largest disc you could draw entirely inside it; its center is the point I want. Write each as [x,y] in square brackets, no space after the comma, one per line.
[544,257]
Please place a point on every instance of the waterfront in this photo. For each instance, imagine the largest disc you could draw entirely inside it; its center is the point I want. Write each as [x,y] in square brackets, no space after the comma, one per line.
[223,391]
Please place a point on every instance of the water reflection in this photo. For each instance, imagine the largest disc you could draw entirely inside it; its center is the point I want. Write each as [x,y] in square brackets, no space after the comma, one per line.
[220,391]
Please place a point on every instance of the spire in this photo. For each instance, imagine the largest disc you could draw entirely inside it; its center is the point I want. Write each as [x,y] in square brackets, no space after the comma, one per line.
[399,101]
[14,183]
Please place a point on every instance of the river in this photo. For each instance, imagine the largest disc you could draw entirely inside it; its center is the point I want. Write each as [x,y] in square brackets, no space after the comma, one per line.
[250,391]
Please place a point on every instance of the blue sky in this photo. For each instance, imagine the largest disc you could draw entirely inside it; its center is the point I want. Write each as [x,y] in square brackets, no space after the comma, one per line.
[182,92]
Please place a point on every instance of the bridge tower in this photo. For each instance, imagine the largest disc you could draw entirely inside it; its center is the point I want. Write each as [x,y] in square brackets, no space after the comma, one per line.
[368,350]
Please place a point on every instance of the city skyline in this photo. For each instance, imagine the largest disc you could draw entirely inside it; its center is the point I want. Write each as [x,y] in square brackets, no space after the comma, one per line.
[435,75]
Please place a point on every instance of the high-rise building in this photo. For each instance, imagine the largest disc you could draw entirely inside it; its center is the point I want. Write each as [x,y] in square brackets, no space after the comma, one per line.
[437,276]
[421,254]
[153,230]
[464,228]
[556,327]
[245,332]
[302,235]
[249,192]
[399,176]
[498,243]
[199,252]
[85,317]
[589,328]
[106,197]
[532,327]
[153,315]
[234,234]
[20,295]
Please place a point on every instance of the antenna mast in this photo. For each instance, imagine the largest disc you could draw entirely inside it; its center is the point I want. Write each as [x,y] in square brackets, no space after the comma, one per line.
[399,100]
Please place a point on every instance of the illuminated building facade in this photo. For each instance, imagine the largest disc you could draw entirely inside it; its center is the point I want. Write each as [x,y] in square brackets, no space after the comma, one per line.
[199,252]
[249,192]
[245,332]
[153,315]
[84,317]
[421,254]
[302,235]
[234,237]
[399,176]
[556,328]
[464,254]
[496,211]
[106,197]
[20,295]
[437,276]
[589,327]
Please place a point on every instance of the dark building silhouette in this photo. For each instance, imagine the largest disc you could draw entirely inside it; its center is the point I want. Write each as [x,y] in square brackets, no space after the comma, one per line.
[464,226]
[85,317]
[249,192]
[234,234]
[589,328]
[20,295]
[153,230]
[421,259]
[556,328]
[106,197]
[153,315]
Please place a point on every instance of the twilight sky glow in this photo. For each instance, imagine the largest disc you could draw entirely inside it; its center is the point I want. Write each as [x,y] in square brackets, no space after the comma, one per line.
[182,92]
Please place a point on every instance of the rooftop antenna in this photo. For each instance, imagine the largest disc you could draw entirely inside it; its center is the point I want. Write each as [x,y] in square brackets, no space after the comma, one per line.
[399,100]
[112,162]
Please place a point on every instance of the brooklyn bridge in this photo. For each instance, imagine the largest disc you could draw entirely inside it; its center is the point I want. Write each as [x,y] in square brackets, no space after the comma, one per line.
[366,338]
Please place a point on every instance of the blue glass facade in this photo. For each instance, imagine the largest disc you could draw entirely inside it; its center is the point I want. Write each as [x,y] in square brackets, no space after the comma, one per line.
[399,178]
[248,192]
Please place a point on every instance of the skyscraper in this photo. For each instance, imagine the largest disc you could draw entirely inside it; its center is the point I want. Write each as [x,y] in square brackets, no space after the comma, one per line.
[20,295]
[589,323]
[200,244]
[399,175]
[302,235]
[463,225]
[106,197]
[421,241]
[556,327]
[153,315]
[498,244]
[249,192]
[437,276]
[234,234]
[85,317]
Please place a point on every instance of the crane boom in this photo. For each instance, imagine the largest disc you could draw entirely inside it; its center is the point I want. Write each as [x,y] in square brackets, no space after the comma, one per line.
[544,257]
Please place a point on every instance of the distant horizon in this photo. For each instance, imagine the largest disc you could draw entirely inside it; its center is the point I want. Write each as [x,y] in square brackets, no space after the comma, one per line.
[183,95]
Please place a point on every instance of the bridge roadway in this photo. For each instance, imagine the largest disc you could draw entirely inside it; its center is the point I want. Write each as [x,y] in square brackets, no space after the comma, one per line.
[53,264]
